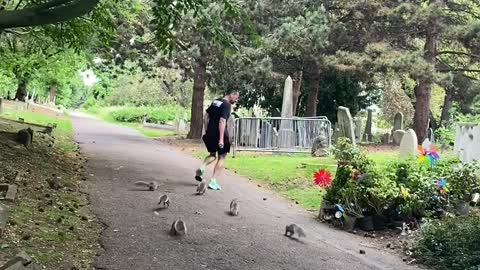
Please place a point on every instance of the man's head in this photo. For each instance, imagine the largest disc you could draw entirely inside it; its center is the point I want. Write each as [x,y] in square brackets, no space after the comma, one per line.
[232,96]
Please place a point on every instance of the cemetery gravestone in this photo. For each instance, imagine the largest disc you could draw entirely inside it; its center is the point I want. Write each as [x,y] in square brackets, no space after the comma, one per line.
[467,142]
[409,144]
[397,136]
[398,121]
[368,136]
[286,133]
[344,127]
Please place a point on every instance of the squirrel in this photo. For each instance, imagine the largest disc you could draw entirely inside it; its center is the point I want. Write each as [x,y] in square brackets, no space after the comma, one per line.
[165,201]
[292,229]
[201,188]
[151,186]
[179,227]
[234,207]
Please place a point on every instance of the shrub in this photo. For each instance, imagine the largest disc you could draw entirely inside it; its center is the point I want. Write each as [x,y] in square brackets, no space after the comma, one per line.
[465,181]
[350,160]
[451,243]
[445,136]
[161,114]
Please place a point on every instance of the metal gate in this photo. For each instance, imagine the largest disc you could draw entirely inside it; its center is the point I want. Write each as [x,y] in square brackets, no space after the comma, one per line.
[277,134]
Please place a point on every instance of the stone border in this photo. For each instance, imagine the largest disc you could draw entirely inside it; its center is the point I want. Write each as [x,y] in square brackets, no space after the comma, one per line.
[11,192]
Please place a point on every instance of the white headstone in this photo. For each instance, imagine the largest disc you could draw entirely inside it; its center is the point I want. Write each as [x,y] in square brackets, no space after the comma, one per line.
[409,144]
[467,142]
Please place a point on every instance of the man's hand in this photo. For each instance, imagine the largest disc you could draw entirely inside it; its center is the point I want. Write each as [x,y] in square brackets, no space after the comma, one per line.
[221,144]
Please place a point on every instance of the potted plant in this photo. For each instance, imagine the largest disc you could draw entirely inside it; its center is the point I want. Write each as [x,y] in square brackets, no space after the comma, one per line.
[464,181]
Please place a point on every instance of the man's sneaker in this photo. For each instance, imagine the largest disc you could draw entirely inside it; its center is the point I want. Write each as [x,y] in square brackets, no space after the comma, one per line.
[199,174]
[214,185]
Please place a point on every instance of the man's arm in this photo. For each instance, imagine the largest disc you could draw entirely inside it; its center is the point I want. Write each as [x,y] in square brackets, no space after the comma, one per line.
[221,127]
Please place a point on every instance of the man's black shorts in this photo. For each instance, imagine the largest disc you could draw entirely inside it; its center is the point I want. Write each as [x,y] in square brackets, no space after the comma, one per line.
[212,145]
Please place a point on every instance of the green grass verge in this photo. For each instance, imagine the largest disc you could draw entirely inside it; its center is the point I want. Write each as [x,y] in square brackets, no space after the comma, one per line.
[104,113]
[63,133]
[290,175]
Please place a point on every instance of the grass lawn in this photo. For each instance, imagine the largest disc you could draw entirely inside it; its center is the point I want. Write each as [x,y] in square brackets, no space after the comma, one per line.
[63,133]
[290,175]
[104,114]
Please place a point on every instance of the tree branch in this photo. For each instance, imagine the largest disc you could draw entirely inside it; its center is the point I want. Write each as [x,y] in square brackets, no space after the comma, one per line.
[463,70]
[29,17]
[18,5]
[458,53]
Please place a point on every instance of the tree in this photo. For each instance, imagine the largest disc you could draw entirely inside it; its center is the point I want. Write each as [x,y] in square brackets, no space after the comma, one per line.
[428,40]
[201,39]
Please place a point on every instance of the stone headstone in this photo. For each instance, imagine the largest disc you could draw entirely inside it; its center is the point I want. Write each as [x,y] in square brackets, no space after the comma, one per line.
[3,217]
[386,138]
[467,141]
[287,103]
[398,121]
[286,133]
[397,136]
[320,146]
[358,129]
[344,126]
[409,144]
[368,136]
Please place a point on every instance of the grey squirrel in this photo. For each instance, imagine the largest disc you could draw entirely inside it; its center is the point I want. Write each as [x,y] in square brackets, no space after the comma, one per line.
[151,186]
[165,201]
[234,207]
[293,229]
[179,227]
[201,188]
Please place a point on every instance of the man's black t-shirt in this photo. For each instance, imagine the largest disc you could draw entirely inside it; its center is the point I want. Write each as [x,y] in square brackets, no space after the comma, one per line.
[219,108]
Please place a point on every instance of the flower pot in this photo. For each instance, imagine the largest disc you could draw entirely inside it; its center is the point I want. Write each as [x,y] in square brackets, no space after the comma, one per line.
[463,208]
[349,223]
[378,222]
[366,223]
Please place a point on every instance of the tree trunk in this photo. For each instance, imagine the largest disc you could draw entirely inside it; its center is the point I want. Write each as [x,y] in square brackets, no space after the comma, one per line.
[199,79]
[447,106]
[52,93]
[21,94]
[297,84]
[423,90]
[314,84]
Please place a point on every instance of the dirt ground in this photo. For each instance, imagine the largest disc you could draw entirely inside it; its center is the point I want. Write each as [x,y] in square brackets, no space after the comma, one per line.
[50,218]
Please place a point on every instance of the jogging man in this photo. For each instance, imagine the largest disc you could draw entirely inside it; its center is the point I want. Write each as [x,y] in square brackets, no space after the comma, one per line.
[216,137]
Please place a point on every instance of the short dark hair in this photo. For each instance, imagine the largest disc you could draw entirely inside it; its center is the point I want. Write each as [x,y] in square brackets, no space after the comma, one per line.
[232,92]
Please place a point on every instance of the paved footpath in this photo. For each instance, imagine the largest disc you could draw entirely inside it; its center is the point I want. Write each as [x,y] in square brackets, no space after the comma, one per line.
[136,235]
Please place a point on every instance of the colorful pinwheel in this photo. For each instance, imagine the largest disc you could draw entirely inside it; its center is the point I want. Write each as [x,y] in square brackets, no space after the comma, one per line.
[322,178]
[442,186]
[427,152]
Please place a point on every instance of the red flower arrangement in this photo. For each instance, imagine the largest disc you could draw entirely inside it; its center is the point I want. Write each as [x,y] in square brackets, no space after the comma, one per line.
[322,178]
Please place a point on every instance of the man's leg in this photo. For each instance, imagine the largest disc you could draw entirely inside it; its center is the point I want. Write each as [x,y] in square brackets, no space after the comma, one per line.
[207,161]
[217,172]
